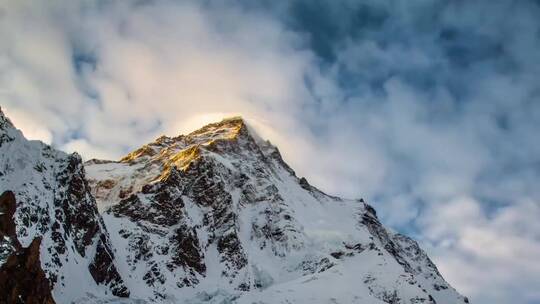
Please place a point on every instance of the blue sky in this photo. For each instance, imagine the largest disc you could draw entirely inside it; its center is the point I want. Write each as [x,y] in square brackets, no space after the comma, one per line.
[429,109]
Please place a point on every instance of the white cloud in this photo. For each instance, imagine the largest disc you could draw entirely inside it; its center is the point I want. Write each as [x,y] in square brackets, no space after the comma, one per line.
[29,125]
[477,252]
[156,66]
[86,149]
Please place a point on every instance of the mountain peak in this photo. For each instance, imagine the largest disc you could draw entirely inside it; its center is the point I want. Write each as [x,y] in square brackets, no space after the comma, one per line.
[228,129]
[213,216]
[8,132]
[4,121]
[219,209]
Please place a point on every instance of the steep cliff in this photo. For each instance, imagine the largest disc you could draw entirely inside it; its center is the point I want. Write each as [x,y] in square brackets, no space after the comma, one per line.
[56,221]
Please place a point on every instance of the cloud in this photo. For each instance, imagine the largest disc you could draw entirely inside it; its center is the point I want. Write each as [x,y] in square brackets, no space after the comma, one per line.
[32,129]
[83,147]
[478,251]
[143,69]
[427,108]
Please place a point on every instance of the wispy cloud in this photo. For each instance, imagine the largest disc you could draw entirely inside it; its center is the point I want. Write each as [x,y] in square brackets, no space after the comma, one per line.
[428,108]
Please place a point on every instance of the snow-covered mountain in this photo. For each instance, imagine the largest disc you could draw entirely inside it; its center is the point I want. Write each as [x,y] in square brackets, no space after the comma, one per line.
[215,216]
[54,211]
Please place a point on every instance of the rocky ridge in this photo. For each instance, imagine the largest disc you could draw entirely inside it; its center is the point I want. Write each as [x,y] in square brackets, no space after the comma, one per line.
[54,206]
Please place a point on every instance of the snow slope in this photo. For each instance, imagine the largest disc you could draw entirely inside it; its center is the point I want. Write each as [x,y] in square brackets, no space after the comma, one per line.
[216,216]
[54,203]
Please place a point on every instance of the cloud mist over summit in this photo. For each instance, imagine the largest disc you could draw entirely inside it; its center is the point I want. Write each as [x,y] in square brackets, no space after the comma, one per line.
[428,109]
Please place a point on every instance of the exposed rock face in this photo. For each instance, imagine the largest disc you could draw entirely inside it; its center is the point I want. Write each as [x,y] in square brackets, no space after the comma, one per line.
[218,216]
[8,235]
[54,204]
[21,276]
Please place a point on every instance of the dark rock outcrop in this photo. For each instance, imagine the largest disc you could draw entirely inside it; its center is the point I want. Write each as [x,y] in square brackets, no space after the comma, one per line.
[22,280]
[103,271]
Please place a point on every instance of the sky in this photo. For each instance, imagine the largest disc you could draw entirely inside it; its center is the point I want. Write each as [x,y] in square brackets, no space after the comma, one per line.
[428,109]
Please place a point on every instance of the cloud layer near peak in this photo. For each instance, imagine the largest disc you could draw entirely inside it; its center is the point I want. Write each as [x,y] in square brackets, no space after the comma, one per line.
[428,108]
[144,69]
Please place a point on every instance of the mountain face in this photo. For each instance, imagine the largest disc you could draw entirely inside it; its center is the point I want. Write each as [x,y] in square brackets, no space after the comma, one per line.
[215,216]
[50,206]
